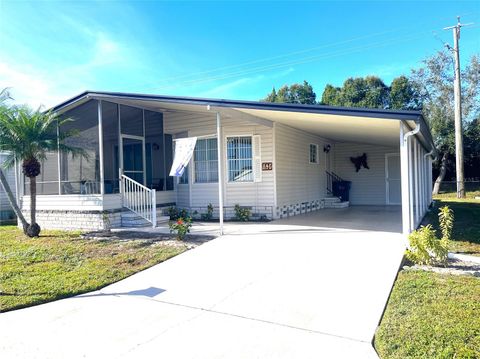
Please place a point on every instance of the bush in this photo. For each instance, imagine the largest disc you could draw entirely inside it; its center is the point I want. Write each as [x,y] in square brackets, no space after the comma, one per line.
[209,215]
[242,214]
[425,247]
[174,213]
[181,227]
[445,220]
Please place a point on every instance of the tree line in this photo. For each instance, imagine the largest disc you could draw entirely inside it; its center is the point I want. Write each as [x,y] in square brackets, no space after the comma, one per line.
[428,88]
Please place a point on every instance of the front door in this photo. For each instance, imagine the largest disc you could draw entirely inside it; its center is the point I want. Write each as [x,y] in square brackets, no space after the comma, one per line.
[392,177]
[133,150]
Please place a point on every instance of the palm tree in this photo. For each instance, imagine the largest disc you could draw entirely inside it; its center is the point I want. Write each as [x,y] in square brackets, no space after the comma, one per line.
[4,96]
[28,135]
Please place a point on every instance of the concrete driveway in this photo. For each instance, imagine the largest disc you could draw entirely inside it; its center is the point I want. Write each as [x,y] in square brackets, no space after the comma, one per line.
[279,290]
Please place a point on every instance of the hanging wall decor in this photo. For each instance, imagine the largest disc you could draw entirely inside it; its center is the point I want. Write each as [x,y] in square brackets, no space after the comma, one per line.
[360,161]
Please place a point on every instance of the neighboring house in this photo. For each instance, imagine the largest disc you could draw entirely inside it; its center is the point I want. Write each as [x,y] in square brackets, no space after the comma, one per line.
[6,212]
[277,159]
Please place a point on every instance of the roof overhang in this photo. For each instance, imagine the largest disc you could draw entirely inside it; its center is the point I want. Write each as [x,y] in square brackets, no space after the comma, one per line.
[375,126]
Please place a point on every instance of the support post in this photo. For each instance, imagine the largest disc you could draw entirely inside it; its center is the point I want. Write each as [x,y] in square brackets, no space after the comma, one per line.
[154,208]
[416,187]
[410,145]
[100,147]
[220,173]
[422,187]
[404,175]
[58,161]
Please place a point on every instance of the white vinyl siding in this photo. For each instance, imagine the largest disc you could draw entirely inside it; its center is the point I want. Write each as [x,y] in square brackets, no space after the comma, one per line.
[297,180]
[10,176]
[244,193]
[368,186]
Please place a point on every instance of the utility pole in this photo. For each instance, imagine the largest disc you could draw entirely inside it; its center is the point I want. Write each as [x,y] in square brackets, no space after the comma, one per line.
[458,110]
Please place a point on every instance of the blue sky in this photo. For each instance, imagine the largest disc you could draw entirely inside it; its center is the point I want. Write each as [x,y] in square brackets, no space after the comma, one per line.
[50,51]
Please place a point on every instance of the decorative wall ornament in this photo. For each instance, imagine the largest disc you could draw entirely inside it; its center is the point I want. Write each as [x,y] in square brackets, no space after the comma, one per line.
[360,161]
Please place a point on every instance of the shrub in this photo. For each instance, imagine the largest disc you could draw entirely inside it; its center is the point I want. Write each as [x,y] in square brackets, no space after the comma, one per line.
[425,247]
[209,215]
[445,219]
[174,213]
[242,214]
[181,227]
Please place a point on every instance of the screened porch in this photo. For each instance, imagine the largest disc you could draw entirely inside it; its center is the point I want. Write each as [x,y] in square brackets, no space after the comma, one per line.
[116,139]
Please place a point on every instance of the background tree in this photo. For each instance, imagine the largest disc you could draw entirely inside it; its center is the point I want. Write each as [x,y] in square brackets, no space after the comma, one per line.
[296,93]
[369,92]
[404,95]
[331,96]
[471,142]
[4,109]
[28,136]
[434,83]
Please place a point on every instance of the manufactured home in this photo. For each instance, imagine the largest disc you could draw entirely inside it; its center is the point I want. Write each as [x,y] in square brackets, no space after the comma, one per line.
[277,160]
[7,216]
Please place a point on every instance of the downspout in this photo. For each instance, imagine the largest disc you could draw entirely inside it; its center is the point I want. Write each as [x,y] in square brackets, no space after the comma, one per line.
[412,132]
[407,178]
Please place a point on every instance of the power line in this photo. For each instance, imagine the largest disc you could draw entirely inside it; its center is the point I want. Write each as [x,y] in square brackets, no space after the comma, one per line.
[293,62]
[168,79]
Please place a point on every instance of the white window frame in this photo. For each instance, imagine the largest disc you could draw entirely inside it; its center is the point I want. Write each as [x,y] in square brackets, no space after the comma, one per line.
[227,166]
[310,154]
[193,177]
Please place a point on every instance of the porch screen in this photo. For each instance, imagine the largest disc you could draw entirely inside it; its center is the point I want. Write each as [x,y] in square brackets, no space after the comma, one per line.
[81,175]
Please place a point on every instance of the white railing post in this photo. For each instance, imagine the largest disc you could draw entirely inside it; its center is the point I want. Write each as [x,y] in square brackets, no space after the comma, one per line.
[139,199]
[154,208]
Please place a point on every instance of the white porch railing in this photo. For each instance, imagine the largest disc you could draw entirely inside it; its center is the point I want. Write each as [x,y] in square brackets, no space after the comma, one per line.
[139,199]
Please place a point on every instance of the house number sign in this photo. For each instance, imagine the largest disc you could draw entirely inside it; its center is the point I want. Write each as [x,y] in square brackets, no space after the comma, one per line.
[267,166]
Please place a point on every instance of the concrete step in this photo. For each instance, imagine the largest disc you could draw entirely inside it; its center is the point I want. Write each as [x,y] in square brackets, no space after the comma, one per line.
[331,200]
[131,219]
[338,204]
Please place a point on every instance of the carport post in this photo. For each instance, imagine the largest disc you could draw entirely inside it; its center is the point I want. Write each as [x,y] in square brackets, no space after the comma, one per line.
[220,174]
[404,155]
[406,177]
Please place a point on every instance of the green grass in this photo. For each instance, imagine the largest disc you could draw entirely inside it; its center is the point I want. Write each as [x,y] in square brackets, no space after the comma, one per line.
[466,227]
[431,315]
[62,264]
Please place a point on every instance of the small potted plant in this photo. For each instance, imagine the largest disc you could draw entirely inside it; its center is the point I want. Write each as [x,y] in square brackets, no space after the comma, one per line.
[181,227]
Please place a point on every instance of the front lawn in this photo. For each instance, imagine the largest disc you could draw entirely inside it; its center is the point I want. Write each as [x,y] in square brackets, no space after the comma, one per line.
[431,315]
[466,227]
[62,264]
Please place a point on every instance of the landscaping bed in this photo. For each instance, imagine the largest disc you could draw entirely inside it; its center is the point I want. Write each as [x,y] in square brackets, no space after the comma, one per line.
[434,311]
[466,228]
[63,264]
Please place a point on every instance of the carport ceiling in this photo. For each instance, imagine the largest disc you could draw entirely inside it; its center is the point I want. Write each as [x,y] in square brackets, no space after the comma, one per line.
[335,127]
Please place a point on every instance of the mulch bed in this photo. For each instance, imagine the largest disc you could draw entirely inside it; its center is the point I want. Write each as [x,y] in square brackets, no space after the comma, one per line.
[453,266]
[190,241]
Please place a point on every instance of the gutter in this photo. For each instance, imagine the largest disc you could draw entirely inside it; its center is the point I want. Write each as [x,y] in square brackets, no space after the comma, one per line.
[412,132]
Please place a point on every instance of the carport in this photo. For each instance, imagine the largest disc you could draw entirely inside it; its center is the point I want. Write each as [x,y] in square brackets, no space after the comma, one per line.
[402,150]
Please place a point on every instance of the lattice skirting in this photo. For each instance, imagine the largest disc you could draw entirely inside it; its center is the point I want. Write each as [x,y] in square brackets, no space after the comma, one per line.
[299,208]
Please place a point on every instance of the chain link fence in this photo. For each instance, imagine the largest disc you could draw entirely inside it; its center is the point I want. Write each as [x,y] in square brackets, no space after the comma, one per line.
[451,186]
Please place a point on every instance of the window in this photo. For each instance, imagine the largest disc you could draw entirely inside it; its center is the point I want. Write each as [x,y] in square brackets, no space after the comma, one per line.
[206,161]
[184,177]
[313,153]
[239,158]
